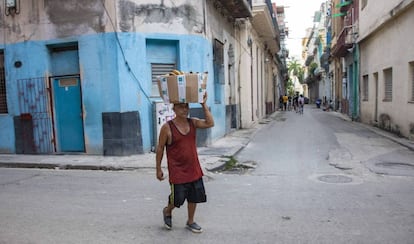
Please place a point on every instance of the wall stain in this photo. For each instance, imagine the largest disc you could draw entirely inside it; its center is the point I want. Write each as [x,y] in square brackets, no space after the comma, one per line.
[76,17]
[155,13]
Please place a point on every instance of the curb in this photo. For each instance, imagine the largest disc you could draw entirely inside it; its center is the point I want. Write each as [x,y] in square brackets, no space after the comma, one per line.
[64,166]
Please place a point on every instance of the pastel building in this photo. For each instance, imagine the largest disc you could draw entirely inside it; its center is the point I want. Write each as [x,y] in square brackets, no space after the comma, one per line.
[81,76]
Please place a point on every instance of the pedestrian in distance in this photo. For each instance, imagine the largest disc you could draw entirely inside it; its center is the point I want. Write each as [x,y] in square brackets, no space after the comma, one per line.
[281,102]
[301,102]
[178,138]
[295,102]
[285,102]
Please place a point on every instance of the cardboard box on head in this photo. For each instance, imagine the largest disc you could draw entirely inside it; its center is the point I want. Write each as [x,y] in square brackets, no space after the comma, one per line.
[183,88]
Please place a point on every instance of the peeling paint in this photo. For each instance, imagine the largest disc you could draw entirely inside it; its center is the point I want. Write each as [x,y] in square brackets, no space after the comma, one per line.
[155,13]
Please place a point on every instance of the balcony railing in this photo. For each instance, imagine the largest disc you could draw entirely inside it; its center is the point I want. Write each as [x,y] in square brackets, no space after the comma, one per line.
[344,42]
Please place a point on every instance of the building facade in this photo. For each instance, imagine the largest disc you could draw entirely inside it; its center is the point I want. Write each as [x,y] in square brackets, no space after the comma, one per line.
[81,76]
[345,56]
[387,65]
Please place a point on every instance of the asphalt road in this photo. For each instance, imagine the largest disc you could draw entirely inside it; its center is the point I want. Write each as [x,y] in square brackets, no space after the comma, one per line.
[314,181]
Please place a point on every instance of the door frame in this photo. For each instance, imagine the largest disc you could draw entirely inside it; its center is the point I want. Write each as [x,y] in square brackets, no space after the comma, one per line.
[55,140]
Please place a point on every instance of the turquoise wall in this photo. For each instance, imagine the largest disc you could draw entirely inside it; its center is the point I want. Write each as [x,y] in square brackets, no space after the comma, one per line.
[113,80]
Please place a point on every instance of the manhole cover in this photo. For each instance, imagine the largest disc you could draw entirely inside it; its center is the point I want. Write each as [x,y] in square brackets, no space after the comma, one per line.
[399,166]
[335,179]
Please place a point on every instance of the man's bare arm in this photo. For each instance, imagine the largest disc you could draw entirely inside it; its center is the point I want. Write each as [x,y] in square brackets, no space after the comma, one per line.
[209,120]
[162,141]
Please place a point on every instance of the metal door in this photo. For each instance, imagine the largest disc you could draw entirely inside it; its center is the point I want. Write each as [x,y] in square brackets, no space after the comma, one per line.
[68,114]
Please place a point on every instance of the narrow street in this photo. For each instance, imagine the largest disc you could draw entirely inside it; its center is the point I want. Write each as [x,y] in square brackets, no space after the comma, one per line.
[317,179]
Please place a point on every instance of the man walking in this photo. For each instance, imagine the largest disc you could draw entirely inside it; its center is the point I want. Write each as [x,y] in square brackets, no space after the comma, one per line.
[285,102]
[301,102]
[178,137]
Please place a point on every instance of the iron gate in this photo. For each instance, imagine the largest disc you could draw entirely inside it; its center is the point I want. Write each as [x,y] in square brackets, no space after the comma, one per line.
[33,100]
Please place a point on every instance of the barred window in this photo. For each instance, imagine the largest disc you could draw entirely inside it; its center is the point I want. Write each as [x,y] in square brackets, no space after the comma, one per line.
[388,85]
[3,98]
[412,80]
[365,88]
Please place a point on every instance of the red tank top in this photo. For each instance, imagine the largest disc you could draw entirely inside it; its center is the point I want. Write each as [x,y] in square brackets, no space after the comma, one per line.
[182,157]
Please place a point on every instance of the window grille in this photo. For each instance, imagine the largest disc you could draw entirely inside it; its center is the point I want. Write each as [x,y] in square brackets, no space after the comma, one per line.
[412,80]
[3,94]
[365,88]
[157,70]
[388,85]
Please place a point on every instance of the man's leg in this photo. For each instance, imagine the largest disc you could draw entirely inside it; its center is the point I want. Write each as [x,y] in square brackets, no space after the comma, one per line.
[191,207]
[167,212]
[168,209]
[191,225]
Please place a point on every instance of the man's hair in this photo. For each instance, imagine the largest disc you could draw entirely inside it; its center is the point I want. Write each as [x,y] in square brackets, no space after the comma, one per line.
[180,104]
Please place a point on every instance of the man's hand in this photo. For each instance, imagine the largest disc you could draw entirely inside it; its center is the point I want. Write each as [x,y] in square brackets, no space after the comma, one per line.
[204,98]
[160,175]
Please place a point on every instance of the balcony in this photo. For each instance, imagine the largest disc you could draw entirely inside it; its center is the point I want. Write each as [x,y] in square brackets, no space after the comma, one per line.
[344,42]
[265,24]
[344,5]
[235,8]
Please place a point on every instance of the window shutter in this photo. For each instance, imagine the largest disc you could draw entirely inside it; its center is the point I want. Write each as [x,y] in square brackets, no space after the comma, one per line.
[388,85]
[412,81]
[157,70]
[365,88]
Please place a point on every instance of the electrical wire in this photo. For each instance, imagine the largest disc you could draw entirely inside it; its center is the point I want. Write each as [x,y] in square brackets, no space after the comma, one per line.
[123,54]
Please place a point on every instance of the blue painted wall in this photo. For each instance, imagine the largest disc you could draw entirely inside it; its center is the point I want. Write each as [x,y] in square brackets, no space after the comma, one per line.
[113,80]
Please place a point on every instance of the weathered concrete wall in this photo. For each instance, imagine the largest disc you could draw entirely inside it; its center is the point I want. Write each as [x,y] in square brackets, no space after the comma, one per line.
[179,17]
[391,47]
[383,10]
[50,19]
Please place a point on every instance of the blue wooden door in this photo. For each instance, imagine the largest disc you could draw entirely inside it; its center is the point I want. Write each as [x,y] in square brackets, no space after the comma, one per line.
[68,114]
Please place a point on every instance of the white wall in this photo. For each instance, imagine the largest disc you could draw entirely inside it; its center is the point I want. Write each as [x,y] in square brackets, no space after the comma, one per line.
[389,47]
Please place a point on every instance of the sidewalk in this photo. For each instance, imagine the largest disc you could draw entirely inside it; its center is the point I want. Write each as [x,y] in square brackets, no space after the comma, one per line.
[400,140]
[211,157]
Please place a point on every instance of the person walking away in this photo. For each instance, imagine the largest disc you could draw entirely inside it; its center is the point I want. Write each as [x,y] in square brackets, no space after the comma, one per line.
[295,102]
[281,102]
[301,101]
[178,138]
[285,101]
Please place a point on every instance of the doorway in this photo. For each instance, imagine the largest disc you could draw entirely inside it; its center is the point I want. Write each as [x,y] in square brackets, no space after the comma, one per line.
[68,116]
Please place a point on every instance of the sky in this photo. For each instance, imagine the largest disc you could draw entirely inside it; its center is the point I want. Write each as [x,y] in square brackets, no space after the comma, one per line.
[299,17]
